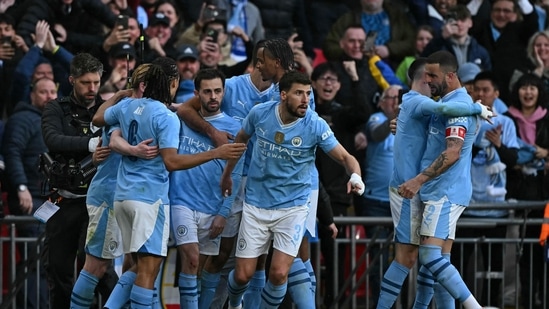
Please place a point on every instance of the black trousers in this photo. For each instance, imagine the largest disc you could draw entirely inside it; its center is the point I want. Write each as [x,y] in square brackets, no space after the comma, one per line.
[64,242]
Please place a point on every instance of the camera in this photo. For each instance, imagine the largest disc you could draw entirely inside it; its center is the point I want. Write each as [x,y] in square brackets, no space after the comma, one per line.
[67,175]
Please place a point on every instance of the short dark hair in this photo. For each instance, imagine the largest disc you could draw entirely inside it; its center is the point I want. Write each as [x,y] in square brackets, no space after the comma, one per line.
[7,19]
[322,68]
[208,74]
[415,71]
[446,60]
[489,76]
[460,11]
[293,77]
[84,63]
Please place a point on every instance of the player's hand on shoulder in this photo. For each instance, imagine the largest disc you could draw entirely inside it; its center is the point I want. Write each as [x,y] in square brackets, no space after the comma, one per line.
[486,112]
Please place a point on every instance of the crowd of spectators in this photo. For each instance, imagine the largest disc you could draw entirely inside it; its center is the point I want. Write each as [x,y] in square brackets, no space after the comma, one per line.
[39,38]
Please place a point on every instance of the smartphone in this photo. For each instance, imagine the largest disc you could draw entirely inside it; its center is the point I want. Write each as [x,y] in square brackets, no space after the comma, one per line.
[6,40]
[210,13]
[370,41]
[451,18]
[122,21]
[212,34]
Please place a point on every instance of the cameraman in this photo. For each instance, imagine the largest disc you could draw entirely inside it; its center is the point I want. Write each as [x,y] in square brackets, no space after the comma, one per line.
[70,138]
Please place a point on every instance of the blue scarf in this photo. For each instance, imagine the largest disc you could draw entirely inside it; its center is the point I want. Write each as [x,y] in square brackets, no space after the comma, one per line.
[380,23]
[238,19]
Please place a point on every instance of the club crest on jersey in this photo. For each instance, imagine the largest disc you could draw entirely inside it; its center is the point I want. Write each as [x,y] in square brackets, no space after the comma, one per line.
[296,141]
[279,137]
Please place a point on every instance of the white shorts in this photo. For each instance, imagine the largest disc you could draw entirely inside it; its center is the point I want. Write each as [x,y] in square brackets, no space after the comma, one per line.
[191,226]
[284,226]
[232,225]
[440,219]
[145,227]
[310,224]
[103,239]
[406,215]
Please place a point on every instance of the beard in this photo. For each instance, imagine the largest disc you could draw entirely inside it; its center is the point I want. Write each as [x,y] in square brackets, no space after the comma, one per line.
[295,112]
[439,90]
[82,99]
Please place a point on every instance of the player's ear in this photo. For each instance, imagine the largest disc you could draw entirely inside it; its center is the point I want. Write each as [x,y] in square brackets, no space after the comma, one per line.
[283,95]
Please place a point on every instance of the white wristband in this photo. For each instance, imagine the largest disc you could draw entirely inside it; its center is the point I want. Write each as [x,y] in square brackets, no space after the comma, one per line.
[357,181]
[92,144]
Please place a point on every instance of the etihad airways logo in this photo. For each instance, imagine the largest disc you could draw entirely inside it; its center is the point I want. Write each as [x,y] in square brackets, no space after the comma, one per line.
[273,150]
[192,145]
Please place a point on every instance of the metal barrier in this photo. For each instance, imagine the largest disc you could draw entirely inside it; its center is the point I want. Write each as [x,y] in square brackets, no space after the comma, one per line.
[347,291]
[23,260]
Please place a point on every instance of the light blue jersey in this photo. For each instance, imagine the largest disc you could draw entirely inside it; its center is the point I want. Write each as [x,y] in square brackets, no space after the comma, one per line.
[455,183]
[239,98]
[104,181]
[198,188]
[379,160]
[275,96]
[485,160]
[284,156]
[411,136]
[140,119]
[241,95]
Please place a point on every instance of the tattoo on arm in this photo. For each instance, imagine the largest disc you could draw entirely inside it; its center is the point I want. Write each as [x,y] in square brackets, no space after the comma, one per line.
[443,161]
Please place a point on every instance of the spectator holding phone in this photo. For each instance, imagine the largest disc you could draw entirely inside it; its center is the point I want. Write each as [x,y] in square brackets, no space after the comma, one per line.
[157,35]
[119,34]
[211,50]
[170,10]
[395,34]
[12,49]
[456,39]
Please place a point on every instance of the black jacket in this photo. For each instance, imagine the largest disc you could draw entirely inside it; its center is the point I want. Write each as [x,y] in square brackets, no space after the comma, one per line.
[67,130]
[509,51]
[281,18]
[21,147]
